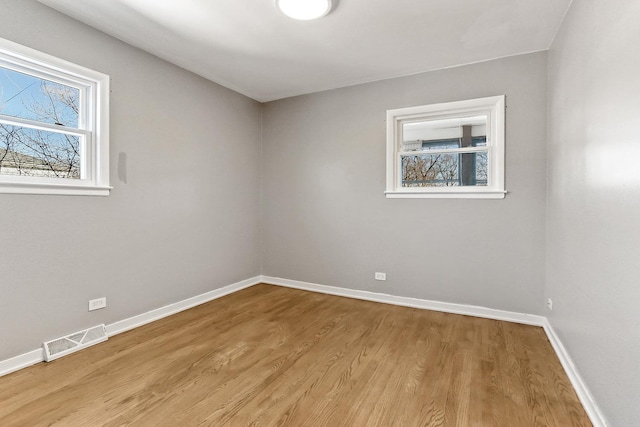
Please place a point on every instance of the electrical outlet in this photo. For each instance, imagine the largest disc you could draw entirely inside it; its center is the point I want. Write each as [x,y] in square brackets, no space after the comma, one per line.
[381,276]
[549,303]
[98,303]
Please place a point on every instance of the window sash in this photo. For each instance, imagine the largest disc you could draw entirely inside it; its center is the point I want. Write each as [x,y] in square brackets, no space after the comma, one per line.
[41,72]
[93,123]
[493,108]
[445,150]
[34,124]
[457,152]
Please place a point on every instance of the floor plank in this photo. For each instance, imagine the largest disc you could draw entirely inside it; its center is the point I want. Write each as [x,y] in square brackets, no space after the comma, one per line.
[272,356]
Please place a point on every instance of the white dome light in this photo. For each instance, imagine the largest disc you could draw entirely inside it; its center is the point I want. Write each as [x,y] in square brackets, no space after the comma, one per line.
[304,9]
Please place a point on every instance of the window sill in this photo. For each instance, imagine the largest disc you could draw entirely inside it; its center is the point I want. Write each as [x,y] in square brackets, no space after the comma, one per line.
[53,189]
[446,194]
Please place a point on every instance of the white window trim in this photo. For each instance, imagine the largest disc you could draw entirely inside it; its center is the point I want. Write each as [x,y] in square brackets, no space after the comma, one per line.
[94,124]
[493,107]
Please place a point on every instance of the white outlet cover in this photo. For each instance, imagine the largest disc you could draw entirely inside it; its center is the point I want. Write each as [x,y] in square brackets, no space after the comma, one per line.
[98,303]
[380,276]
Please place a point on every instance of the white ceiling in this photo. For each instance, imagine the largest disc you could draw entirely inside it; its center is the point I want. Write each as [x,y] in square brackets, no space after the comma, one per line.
[250,47]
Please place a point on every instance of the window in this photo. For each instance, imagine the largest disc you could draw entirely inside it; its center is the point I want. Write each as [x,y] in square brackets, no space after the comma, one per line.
[449,150]
[54,125]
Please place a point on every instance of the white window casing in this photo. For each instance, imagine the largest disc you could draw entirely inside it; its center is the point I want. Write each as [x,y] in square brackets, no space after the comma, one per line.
[490,110]
[92,130]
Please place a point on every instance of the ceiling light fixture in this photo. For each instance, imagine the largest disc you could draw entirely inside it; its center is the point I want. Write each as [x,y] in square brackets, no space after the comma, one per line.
[304,9]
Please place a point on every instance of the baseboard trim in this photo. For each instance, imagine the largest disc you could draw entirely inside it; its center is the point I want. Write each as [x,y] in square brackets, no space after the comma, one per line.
[467,310]
[22,361]
[593,411]
[591,408]
[168,310]
[36,356]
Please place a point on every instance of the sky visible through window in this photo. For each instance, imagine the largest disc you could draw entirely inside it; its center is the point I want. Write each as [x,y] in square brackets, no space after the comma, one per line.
[36,152]
[30,97]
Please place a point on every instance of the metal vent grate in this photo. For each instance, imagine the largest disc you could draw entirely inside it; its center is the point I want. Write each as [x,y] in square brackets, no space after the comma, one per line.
[93,334]
[74,342]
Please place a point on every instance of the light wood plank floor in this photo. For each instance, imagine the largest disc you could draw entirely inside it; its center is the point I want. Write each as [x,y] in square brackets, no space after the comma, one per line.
[272,356]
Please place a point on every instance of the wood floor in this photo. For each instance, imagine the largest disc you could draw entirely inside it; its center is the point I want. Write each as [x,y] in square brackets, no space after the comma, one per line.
[272,356]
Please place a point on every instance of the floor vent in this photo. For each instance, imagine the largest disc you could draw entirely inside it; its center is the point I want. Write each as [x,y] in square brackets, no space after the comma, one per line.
[71,343]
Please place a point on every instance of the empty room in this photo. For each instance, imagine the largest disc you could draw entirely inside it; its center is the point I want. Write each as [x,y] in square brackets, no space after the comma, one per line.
[320,213]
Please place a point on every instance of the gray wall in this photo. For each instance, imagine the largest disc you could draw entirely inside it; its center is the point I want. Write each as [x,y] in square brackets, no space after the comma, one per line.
[184,215]
[326,219]
[184,222]
[593,265]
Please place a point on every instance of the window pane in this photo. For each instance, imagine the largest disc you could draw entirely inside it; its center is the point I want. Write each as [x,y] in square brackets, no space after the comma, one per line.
[439,144]
[32,152]
[445,170]
[443,144]
[29,97]
[444,133]
[479,141]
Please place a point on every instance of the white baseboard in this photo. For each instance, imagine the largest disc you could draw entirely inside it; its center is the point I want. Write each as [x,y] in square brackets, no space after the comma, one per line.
[593,411]
[591,408]
[35,356]
[22,361]
[168,310]
[469,310]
